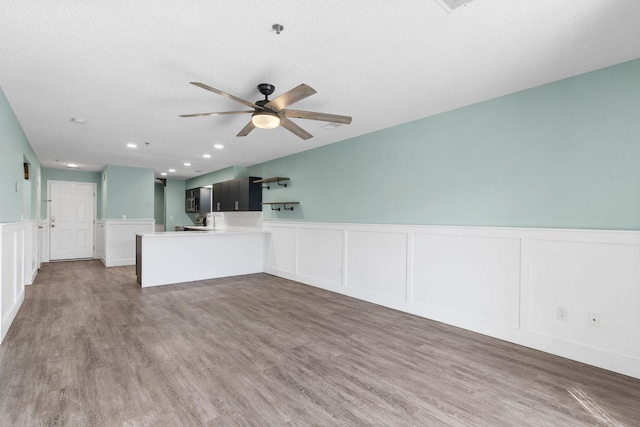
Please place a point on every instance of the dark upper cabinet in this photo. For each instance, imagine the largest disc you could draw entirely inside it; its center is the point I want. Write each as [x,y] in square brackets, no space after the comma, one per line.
[237,195]
[190,201]
[249,194]
[197,200]
[217,197]
[205,200]
[230,195]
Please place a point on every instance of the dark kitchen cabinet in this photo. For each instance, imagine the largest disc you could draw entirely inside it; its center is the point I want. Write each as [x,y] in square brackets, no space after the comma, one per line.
[217,197]
[198,200]
[231,195]
[237,195]
[249,194]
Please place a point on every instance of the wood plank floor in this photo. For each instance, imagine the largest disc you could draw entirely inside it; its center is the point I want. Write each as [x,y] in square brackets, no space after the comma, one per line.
[90,347]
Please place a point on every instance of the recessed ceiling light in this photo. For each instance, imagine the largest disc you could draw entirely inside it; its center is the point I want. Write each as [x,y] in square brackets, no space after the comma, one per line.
[172,170]
[78,120]
[206,156]
[187,164]
[219,146]
[132,145]
[72,165]
[163,174]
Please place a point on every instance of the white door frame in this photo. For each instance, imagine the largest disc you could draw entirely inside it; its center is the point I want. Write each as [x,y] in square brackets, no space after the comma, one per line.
[95,213]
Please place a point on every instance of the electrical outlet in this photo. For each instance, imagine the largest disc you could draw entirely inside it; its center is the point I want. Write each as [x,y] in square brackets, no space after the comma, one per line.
[594,319]
[563,313]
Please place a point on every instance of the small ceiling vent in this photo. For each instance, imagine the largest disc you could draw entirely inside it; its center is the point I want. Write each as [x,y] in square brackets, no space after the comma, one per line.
[449,5]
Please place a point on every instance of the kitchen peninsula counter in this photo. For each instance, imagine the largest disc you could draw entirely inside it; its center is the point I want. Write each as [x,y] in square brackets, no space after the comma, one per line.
[164,258]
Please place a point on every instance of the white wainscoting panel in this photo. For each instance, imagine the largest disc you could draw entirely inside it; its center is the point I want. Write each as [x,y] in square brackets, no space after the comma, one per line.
[502,282]
[120,240]
[587,278]
[31,251]
[472,276]
[377,262]
[12,268]
[281,251]
[320,255]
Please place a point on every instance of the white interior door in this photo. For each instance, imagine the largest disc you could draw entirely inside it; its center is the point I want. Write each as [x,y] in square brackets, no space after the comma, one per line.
[71,218]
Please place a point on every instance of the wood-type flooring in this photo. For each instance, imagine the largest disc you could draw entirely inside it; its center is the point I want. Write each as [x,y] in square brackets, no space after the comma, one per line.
[89,347]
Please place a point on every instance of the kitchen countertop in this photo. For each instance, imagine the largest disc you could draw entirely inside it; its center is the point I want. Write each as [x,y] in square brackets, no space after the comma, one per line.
[204,231]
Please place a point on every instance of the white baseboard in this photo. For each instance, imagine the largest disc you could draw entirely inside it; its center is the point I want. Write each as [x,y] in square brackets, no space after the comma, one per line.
[118,262]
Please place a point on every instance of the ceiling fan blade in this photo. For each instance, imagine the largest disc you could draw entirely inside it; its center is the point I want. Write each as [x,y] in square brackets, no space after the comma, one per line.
[248,128]
[292,127]
[226,95]
[294,95]
[217,114]
[310,115]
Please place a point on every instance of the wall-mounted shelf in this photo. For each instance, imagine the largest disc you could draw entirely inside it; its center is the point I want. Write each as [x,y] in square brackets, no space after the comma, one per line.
[284,205]
[277,179]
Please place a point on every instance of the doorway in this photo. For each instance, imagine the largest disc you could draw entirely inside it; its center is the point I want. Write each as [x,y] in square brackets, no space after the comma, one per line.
[72,213]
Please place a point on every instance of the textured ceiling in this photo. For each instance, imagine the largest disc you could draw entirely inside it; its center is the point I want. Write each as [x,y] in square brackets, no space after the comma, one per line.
[125,66]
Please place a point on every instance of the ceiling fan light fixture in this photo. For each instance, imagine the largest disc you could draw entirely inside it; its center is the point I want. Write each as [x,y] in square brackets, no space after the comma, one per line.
[265,119]
[269,114]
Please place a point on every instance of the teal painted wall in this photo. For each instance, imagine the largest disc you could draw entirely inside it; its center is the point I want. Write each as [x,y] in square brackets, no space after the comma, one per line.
[560,155]
[21,203]
[563,155]
[174,194]
[127,191]
[49,174]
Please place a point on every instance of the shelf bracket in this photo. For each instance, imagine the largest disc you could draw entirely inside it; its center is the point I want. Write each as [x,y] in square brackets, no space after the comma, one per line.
[284,206]
[280,180]
[280,183]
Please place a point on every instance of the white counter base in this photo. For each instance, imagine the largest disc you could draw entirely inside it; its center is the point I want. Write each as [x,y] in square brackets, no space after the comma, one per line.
[176,257]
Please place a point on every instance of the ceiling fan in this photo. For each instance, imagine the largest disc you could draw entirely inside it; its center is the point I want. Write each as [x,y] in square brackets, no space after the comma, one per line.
[269,114]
